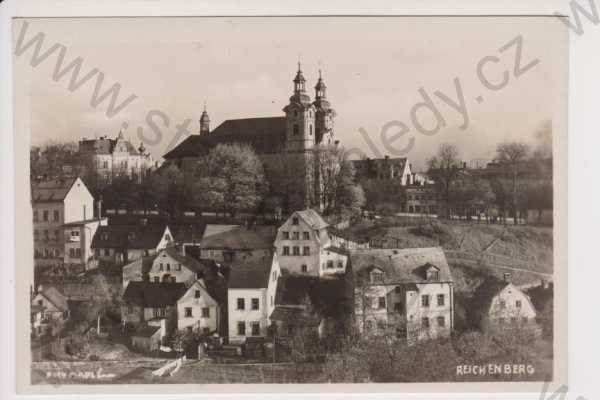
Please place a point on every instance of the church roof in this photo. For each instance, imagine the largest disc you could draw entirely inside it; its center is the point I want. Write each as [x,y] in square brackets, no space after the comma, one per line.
[266,135]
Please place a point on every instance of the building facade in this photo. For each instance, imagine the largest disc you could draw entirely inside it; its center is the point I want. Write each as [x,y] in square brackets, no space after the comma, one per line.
[406,292]
[197,311]
[115,157]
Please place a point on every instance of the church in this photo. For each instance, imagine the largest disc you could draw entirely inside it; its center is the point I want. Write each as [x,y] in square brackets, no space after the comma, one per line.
[285,144]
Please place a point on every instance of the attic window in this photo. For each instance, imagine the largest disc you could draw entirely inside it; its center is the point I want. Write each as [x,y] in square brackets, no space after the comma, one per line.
[295,221]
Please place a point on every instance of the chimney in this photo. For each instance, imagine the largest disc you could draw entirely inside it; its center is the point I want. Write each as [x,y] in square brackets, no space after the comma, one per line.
[506,276]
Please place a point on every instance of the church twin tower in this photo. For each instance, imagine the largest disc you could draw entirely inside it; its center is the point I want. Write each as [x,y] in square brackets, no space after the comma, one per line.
[308,123]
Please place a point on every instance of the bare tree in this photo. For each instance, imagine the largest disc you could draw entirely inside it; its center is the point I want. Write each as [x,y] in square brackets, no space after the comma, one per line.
[444,169]
[512,155]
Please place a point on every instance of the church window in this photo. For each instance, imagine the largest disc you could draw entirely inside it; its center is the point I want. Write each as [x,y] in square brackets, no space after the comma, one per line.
[296,130]
[310,129]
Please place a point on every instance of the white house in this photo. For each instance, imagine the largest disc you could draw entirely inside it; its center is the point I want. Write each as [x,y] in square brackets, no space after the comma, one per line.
[125,243]
[498,303]
[251,298]
[407,291]
[197,310]
[63,221]
[49,310]
[304,246]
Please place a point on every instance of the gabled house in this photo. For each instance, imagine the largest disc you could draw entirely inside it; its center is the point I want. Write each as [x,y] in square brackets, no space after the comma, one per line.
[168,265]
[151,304]
[498,303]
[198,311]
[49,310]
[409,292]
[125,243]
[238,244]
[63,221]
[251,298]
[304,246]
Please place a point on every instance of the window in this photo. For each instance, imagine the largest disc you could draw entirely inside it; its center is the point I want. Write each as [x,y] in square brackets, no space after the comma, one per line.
[107,252]
[241,303]
[295,221]
[45,215]
[156,279]
[381,302]
[304,268]
[434,275]
[398,307]
[329,264]
[160,267]
[286,235]
[205,312]
[376,277]
[518,304]
[306,235]
[502,304]
[35,216]
[296,235]
[173,279]
[188,312]
[425,323]
[440,300]
[241,329]
[56,216]
[441,321]
[296,250]
[178,267]
[197,294]
[398,290]
[306,251]
[271,300]
[168,267]
[425,300]
[97,252]
[255,329]
[296,130]
[274,276]
[104,164]
[255,304]
[160,312]
[286,250]
[72,253]
[310,129]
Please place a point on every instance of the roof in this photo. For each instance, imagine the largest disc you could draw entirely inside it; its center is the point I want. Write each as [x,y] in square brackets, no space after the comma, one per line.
[313,218]
[402,265]
[240,238]
[325,296]
[337,250]
[151,294]
[485,293]
[348,235]
[187,233]
[128,236]
[266,135]
[207,267]
[55,297]
[104,145]
[213,229]
[54,190]
[146,330]
[250,275]
[82,222]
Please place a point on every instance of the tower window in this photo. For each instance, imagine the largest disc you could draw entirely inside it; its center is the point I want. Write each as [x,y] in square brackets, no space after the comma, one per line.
[296,130]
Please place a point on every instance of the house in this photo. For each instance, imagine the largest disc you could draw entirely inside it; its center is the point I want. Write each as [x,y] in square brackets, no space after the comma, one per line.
[63,221]
[407,291]
[125,243]
[497,303]
[308,302]
[168,265]
[251,298]
[238,244]
[147,338]
[115,157]
[198,311]
[384,168]
[49,310]
[153,304]
[304,246]
[421,199]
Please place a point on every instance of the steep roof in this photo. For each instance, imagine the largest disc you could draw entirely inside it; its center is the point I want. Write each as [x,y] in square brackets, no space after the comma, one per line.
[104,145]
[55,297]
[294,316]
[266,135]
[144,330]
[151,294]
[214,229]
[54,190]
[128,236]
[313,218]
[241,238]
[253,275]
[402,265]
[187,233]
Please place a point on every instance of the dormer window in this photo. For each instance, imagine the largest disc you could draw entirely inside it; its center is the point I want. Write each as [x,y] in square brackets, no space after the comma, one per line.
[432,273]
[376,277]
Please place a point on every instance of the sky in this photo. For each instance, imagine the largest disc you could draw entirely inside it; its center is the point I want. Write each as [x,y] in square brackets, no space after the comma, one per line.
[377,70]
